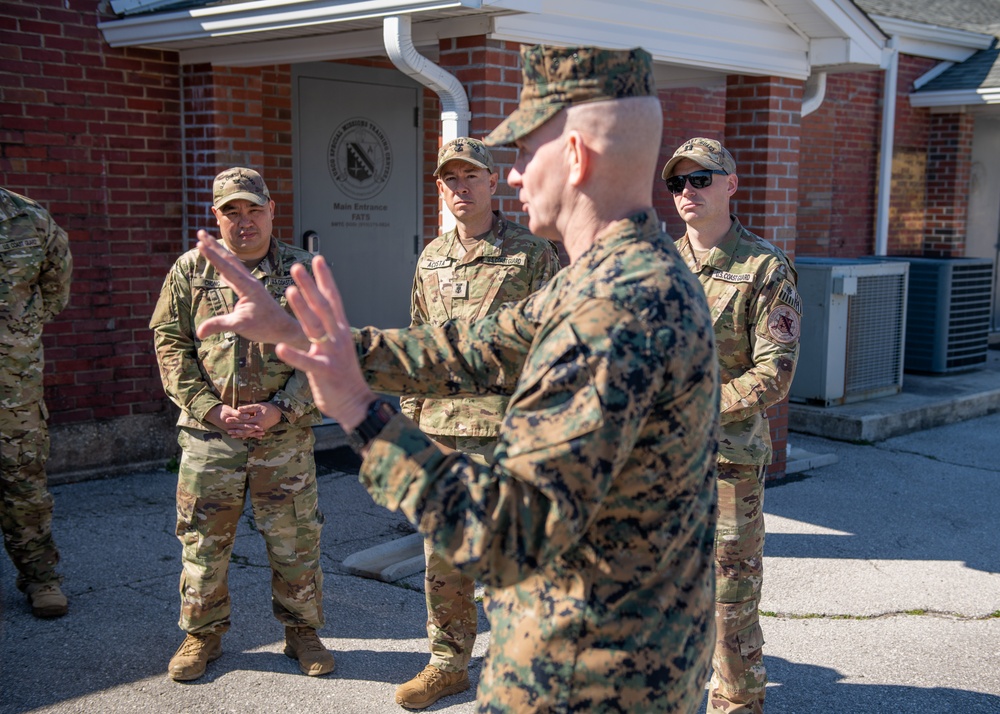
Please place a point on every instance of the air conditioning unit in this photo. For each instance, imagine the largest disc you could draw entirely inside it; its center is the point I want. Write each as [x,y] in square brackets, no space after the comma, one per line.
[853,323]
[949,305]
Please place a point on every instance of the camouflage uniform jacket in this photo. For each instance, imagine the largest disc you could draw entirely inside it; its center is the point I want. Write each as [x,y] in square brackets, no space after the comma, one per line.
[224,368]
[34,288]
[594,526]
[756,310]
[507,265]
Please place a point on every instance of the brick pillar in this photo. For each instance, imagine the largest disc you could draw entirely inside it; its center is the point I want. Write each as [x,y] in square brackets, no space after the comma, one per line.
[949,175]
[763,129]
[490,71]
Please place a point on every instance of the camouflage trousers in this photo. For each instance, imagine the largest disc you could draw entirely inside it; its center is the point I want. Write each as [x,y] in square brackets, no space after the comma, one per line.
[452,617]
[738,677]
[216,474]
[26,505]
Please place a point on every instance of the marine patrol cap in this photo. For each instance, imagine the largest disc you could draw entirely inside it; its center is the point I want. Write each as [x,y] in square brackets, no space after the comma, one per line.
[471,151]
[239,183]
[559,77]
[707,153]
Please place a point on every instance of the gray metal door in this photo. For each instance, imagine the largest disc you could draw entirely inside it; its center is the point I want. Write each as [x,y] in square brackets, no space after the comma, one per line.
[357,183]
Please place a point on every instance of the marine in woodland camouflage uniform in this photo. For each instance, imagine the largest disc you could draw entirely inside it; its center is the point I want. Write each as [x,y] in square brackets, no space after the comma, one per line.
[34,288]
[756,313]
[220,464]
[593,526]
[504,264]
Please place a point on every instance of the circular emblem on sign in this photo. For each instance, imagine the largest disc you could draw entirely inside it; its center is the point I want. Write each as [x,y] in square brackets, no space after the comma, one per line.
[360,158]
[783,324]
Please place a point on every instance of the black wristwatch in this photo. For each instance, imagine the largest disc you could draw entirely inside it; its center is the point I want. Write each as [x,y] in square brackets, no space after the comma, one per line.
[378,415]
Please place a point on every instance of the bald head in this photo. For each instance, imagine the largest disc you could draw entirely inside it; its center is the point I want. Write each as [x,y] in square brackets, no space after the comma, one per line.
[623,137]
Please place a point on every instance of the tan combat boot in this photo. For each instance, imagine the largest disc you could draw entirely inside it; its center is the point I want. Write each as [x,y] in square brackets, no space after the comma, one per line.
[429,686]
[301,643]
[46,599]
[194,654]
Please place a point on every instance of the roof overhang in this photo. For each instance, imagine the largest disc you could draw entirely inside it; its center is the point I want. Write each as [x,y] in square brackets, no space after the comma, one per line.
[940,43]
[784,38]
[270,19]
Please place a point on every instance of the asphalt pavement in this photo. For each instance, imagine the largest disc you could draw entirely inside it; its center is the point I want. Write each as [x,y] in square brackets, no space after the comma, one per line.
[881,593]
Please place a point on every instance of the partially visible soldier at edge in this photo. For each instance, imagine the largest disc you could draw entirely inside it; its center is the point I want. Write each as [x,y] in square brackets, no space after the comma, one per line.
[464,274]
[245,429]
[34,288]
[750,285]
[593,525]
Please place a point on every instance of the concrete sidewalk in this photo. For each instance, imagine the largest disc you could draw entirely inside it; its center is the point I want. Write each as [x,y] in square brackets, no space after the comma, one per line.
[882,594]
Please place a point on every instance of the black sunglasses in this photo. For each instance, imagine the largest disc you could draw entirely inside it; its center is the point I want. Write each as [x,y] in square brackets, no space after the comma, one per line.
[698,179]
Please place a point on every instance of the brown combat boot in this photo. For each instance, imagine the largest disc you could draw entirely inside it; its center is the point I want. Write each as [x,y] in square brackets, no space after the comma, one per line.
[194,654]
[429,686]
[46,599]
[301,643]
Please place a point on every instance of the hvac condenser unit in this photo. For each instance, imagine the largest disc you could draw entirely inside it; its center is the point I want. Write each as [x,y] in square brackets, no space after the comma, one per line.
[948,309]
[853,322]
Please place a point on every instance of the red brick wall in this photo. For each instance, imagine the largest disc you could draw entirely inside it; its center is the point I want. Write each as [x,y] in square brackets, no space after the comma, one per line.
[838,168]
[907,220]
[949,175]
[93,133]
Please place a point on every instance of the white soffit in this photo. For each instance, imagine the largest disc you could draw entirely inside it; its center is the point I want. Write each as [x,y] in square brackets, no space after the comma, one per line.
[266,17]
[735,36]
[940,43]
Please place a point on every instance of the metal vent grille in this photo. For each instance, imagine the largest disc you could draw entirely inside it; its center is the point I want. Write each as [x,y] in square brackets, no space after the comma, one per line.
[874,333]
[949,313]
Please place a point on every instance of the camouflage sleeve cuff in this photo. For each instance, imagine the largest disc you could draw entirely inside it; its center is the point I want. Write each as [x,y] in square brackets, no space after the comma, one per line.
[200,406]
[401,465]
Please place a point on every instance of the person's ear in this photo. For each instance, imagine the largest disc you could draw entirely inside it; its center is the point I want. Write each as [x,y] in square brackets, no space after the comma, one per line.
[578,157]
[494,181]
[732,183]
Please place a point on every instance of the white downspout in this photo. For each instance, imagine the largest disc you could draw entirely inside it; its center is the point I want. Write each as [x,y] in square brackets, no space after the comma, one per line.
[455,115]
[815,93]
[888,141]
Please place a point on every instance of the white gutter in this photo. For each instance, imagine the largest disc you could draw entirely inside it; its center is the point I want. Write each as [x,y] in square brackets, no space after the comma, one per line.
[888,141]
[455,114]
[815,93]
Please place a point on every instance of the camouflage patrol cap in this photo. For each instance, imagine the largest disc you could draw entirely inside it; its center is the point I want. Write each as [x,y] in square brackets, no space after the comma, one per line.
[463,148]
[704,152]
[558,77]
[239,183]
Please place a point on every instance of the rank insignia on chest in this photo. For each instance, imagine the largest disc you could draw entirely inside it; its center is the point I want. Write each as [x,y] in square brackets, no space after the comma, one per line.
[455,289]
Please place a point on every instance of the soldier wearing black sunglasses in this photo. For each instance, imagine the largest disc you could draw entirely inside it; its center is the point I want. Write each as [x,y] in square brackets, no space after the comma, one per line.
[756,312]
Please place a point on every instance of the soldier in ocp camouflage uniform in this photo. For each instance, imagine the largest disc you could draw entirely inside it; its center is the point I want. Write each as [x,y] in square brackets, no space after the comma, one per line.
[464,274]
[245,426]
[34,288]
[593,525]
[756,311]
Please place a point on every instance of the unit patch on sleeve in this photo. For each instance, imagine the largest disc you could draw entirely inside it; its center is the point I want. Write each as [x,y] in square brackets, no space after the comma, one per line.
[783,324]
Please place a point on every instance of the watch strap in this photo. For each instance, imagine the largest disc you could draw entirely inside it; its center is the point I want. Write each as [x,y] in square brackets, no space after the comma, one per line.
[379,413]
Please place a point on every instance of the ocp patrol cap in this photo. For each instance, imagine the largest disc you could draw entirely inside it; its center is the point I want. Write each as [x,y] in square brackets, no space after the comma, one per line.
[707,153]
[471,151]
[559,77]
[239,183]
